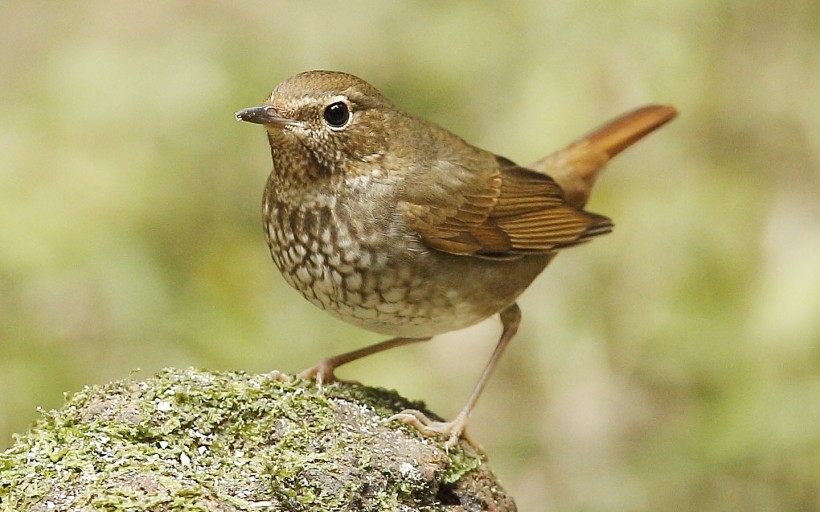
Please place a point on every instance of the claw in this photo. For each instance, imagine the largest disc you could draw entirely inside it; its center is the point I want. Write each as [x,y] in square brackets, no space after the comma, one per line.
[322,372]
[453,430]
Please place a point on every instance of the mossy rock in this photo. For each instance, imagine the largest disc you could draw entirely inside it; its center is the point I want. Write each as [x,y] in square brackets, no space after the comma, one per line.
[194,440]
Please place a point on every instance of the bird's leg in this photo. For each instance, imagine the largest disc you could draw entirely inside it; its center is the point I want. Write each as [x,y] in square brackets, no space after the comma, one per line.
[323,370]
[510,319]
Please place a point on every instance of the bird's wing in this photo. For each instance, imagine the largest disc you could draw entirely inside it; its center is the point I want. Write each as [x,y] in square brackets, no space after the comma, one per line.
[504,212]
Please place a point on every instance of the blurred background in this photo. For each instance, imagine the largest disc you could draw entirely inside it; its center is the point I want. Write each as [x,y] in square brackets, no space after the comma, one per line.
[672,365]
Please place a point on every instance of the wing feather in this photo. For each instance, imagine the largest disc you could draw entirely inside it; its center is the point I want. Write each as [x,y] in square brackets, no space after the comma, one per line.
[506,211]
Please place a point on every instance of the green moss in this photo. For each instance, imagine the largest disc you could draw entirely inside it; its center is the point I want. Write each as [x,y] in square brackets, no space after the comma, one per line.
[194,440]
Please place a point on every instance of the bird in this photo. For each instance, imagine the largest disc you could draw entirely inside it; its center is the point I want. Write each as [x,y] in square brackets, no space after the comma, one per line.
[394,224]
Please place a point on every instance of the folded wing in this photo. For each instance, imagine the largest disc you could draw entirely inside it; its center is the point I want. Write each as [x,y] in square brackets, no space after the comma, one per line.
[507,212]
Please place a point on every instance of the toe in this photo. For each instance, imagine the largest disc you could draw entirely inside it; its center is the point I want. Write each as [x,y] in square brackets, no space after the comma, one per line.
[452,430]
[322,372]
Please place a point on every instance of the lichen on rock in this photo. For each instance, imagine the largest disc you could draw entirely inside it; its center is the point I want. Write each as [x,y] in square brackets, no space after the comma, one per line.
[194,440]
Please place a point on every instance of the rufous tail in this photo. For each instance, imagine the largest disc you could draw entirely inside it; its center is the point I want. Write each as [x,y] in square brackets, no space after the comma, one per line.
[576,167]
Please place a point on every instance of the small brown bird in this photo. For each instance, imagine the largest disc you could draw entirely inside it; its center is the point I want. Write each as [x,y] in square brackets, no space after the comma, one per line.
[394,224]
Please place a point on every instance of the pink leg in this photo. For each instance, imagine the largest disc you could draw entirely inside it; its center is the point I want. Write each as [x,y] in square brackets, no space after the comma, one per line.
[323,370]
[510,319]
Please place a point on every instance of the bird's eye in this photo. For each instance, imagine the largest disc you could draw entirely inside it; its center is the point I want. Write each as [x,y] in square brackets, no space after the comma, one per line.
[337,114]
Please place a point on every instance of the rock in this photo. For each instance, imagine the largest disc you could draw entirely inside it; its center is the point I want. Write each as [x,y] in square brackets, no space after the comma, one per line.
[194,440]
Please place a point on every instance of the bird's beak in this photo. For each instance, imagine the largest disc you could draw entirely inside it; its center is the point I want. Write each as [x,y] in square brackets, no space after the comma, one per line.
[267,115]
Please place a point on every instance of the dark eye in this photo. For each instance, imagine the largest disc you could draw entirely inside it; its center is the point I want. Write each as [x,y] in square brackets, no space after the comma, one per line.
[337,114]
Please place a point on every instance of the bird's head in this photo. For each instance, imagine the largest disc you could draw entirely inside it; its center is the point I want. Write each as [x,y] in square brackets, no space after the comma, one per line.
[323,123]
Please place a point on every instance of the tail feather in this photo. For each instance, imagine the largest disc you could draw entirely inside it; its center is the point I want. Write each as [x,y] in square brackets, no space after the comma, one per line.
[576,167]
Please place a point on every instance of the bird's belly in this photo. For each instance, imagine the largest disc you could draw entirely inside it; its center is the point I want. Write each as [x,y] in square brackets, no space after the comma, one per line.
[375,291]
[397,290]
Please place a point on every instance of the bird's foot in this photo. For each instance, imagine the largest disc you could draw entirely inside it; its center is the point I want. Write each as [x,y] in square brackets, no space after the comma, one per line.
[322,373]
[453,430]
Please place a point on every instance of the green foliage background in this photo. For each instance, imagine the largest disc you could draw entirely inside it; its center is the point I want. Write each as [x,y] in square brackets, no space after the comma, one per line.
[673,365]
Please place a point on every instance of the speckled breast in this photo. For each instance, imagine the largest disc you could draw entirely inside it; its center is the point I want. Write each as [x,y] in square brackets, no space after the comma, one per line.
[358,263]
[388,284]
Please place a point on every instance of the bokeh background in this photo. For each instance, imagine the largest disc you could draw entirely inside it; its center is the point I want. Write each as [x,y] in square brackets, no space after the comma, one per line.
[673,365]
